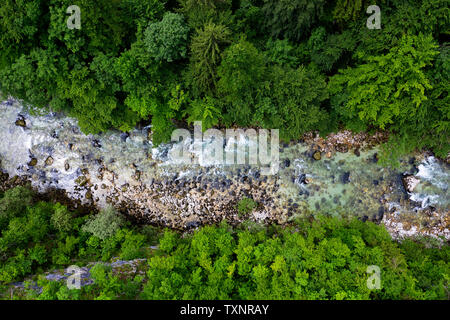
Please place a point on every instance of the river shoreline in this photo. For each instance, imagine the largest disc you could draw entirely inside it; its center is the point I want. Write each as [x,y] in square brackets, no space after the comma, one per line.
[124,170]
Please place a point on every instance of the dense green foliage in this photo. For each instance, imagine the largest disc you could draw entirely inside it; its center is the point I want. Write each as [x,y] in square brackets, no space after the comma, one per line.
[325,259]
[105,224]
[38,236]
[293,65]
[321,258]
[166,40]
[246,205]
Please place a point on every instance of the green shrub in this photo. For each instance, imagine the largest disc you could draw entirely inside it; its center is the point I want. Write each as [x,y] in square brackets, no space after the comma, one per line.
[245,206]
[104,224]
[61,218]
[14,204]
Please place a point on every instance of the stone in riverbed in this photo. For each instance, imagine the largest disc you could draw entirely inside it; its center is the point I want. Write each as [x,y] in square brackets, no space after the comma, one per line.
[285,163]
[345,178]
[341,147]
[317,155]
[302,179]
[21,123]
[410,182]
[81,181]
[32,162]
[137,175]
[380,213]
[49,161]
[192,224]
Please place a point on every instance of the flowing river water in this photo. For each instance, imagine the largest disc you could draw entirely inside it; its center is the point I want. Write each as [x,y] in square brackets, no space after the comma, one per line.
[126,171]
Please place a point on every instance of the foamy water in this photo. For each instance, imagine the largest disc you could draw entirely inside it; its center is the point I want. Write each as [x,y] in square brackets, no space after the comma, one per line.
[343,184]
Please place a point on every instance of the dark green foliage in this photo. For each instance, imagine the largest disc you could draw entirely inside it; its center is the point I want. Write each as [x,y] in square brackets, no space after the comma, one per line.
[296,96]
[205,110]
[141,12]
[19,28]
[206,49]
[200,12]
[248,19]
[346,10]
[241,73]
[387,89]
[45,235]
[167,39]
[282,52]
[292,19]
[14,204]
[392,91]
[327,50]
[252,63]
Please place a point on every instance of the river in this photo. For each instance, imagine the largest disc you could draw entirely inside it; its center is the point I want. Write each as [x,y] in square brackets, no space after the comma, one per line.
[125,170]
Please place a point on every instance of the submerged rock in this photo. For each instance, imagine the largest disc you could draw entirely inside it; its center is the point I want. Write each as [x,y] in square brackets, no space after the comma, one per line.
[317,155]
[345,178]
[302,179]
[285,164]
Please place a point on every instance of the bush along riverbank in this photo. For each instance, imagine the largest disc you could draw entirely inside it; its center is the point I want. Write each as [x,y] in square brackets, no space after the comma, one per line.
[317,258]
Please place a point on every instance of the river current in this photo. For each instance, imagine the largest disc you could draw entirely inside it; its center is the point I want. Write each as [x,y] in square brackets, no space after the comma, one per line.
[125,169]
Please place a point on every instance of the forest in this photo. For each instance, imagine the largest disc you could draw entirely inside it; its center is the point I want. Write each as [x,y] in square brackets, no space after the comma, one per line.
[317,258]
[293,65]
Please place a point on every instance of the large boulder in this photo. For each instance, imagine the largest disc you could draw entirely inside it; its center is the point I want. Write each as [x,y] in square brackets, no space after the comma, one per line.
[21,122]
[410,182]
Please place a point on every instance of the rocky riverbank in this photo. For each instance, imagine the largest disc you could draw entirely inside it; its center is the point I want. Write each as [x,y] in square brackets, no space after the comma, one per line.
[336,175]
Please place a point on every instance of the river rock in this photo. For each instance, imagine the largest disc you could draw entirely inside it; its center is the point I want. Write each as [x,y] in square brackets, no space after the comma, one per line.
[286,163]
[49,161]
[137,175]
[410,182]
[21,123]
[341,147]
[345,178]
[317,155]
[302,178]
[32,162]
[81,181]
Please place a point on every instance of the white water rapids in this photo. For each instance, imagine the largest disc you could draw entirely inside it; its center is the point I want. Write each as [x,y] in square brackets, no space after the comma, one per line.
[345,183]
